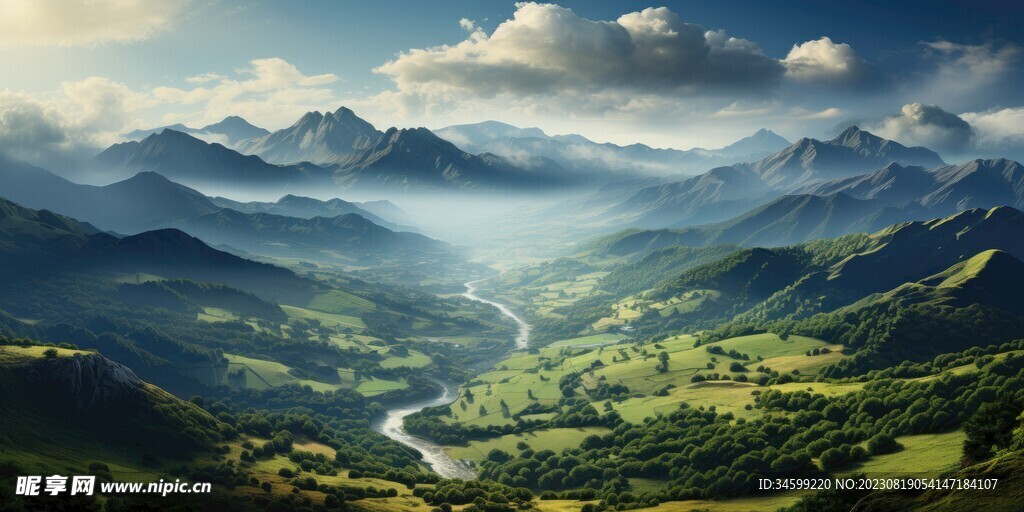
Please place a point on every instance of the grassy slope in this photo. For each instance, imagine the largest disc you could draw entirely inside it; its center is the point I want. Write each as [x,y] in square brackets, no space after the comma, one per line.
[43,445]
[262,373]
[1006,497]
[547,439]
[522,372]
[924,455]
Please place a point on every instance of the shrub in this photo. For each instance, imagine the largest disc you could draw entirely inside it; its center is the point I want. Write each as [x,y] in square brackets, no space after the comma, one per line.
[882,443]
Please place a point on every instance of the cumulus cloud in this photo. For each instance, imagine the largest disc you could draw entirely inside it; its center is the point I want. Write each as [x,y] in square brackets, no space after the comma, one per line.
[547,48]
[83,22]
[100,107]
[928,125]
[823,60]
[56,134]
[89,112]
[82,117]
[27,126]
[271,91]
[999,130]
[987,134]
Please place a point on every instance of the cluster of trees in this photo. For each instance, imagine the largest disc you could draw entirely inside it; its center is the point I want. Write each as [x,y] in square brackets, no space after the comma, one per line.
[486,495]
[705,454]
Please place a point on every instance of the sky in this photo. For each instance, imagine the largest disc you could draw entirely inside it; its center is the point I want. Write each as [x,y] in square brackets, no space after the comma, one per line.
[75,75]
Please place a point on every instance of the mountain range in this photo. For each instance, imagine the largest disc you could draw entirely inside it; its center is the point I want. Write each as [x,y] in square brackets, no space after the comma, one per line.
[856,163]
[319,138]
[348,238]
[336,231]
[852,152]
[230,131]
[578,153]
[37,241]
[148,200]
[144,201]
[182,157]
[864,203]
[291,205]
[804,279]
[349,154]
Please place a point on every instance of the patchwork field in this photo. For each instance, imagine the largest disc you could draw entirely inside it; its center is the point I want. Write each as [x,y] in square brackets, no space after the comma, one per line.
[261,374]
[590,341]
[525,379]
[329,319]
[637,306]
[548,439]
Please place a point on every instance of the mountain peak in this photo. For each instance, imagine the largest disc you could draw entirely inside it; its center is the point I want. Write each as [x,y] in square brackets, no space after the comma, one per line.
[765,133]
[169,136]
[760,143]
[235,128]
[855,137]
[148,177]
[316,137]
[991,276]
[344,112]
[309,118]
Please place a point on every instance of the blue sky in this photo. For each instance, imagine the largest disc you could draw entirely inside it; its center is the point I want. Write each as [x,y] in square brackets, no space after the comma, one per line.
[927,72]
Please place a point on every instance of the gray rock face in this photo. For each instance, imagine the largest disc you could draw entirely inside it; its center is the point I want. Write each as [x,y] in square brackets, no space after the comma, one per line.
[83,382]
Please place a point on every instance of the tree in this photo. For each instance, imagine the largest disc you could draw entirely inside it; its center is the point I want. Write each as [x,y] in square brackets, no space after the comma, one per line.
[331,501]
[883,443]
[662,362]
[991,427]
[832,459]
[50,353]
[498,456]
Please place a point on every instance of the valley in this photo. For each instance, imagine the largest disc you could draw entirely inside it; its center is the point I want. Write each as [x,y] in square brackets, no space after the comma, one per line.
[841,307]
[355,358]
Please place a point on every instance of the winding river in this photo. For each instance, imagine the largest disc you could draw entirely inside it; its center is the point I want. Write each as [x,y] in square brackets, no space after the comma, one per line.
[433,453]
[523,338]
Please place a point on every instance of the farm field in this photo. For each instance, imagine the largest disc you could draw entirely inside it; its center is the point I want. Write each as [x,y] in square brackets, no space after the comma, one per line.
[329,319]
[262,374]
[588,341]
[923,455]
[524,379]
[548,439]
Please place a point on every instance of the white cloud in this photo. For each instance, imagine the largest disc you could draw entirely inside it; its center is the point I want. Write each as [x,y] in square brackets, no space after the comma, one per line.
[64,131]
[981,61]
[28,126]
[100,106]
[965,73]
[84,22]
[927,125]
[269,91]
[999,130]
[823,60]
[86,115]
[648,70]
[467,24]
[89,112]
[999,123]
[547,49]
